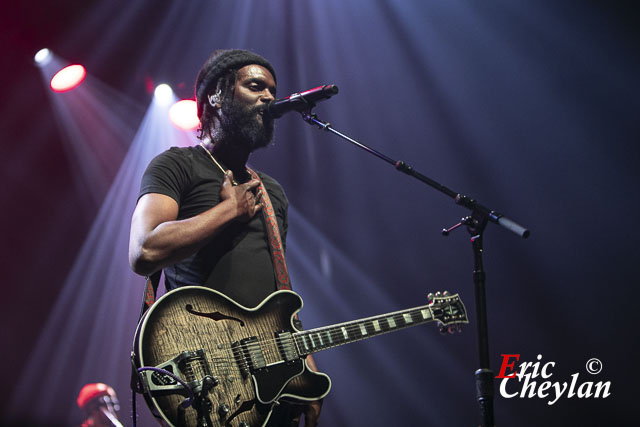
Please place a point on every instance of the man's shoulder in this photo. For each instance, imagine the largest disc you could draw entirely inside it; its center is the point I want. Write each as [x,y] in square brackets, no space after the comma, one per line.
[180,152]
[175,157]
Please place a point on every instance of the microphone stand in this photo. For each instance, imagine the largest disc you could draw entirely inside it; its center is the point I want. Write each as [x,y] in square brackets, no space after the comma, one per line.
[475,223]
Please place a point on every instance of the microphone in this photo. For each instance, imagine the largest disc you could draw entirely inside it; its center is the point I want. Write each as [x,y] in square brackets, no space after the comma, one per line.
[300,101]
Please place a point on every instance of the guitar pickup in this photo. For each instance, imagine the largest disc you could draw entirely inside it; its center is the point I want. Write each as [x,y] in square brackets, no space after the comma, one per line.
[252,354]
[286,346]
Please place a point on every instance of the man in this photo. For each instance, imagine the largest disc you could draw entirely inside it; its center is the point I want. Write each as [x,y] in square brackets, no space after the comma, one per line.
[100,404]
[199,215]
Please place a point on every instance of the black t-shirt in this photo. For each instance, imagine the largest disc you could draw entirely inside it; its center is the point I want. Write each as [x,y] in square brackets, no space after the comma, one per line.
[237,262]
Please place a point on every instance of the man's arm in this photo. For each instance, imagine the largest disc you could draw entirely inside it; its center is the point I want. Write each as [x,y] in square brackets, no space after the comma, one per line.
[159,239]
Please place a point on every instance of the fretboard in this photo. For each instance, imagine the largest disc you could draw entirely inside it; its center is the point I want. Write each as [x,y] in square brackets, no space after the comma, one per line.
[315,340]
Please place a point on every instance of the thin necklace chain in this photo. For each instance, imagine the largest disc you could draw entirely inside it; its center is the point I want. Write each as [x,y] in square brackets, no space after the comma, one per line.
[233,181]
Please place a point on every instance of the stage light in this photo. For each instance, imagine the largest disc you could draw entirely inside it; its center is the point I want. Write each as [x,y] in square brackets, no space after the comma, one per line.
[68,78]
[43,57]
[184,114]
[163,94]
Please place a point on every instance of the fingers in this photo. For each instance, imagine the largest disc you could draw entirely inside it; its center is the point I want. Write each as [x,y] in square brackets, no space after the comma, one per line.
[253,196]
[311,415]
[247,196]
[227,181]
[228,176]
[296,415]
[258,205]
[252,184]
[255,193]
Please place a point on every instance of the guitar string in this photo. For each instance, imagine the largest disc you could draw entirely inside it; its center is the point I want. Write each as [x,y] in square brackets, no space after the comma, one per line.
[398,317]
[240,357]
[265,347]
[335,332]
[265,344]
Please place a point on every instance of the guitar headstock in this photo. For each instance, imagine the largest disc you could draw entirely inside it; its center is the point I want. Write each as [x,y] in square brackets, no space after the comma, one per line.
[448,310]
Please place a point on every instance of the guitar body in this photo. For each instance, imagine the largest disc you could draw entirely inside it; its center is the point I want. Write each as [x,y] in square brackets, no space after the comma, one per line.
[237,361]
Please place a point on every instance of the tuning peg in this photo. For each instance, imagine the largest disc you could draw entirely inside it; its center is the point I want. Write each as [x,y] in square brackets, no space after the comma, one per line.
[430,297]
[438,294]
[446,293]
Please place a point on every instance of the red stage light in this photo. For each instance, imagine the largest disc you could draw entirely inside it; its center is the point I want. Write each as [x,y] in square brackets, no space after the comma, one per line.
[68,78]
[184,114]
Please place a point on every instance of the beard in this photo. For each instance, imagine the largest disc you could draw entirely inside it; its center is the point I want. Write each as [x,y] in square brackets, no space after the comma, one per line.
[241,126]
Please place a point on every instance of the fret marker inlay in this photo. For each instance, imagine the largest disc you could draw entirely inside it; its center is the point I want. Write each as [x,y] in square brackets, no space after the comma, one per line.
[376,326]
[392,323]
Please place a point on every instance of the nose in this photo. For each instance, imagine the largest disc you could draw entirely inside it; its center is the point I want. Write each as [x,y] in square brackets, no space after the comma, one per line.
[267,97]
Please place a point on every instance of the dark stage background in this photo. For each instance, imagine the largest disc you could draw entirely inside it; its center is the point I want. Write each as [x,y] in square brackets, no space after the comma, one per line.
[530,107]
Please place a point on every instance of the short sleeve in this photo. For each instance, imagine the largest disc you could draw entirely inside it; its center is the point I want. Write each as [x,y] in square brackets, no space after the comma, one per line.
[166,174]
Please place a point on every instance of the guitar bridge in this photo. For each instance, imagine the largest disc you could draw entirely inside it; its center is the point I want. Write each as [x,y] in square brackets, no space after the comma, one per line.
[191,366]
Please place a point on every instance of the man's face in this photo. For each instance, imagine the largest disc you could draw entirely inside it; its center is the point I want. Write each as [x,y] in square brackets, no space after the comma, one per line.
[243,119]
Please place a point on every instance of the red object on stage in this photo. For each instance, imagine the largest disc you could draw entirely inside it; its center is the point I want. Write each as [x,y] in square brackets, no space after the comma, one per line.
[92,391]
[68,78]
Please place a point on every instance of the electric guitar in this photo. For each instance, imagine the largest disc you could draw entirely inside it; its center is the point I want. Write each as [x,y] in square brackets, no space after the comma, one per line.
[204,360]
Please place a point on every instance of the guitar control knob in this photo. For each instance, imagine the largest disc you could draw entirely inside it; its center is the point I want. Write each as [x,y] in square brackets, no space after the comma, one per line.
[223,410]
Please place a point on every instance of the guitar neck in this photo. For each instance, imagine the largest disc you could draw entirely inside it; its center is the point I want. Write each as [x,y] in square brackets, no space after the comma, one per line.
[319,339]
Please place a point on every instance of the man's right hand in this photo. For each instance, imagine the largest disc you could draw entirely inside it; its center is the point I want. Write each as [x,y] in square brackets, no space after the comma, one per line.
[159,239]
[246,198]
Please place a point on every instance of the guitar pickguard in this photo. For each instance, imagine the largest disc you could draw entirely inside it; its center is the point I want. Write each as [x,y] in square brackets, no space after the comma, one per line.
[271,380]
